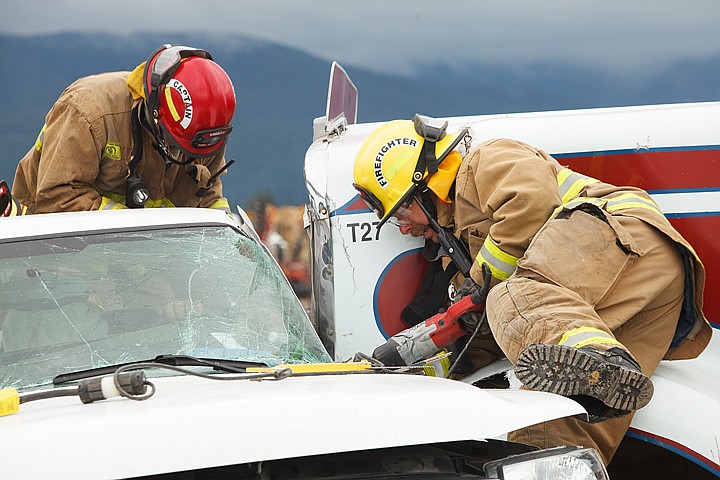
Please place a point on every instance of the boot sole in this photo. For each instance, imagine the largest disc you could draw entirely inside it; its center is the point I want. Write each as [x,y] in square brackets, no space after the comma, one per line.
[568,371]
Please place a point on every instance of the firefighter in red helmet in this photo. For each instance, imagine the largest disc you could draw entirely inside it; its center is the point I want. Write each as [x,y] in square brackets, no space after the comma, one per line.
[153,137]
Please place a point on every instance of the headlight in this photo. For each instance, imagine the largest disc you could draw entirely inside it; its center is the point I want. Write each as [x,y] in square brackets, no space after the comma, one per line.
[561,463]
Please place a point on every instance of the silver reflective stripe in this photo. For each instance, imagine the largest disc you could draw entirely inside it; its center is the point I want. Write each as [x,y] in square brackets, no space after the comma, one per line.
[501,264]
[581,336]
[109,204]
[571,183]
[632,200]
[576,202]
[40,139]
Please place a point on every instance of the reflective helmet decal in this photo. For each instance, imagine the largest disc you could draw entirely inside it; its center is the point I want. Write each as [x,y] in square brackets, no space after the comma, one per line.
[186,102]
[397,165]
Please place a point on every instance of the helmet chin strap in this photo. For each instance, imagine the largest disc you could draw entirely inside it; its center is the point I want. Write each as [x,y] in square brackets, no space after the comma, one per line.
[169,160]
[422,197]
[149,124]
[453,246]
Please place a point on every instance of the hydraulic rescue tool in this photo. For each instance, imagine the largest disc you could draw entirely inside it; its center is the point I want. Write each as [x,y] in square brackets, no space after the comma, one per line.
[434,334]
[442,329]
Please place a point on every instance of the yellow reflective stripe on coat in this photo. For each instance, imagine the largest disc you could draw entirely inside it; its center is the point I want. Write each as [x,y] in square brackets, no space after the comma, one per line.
[571,183]
[576,202]
[110,204]
[223,205]
[40,138]
[501,264]
[582,336]
[631,200]
[120,199]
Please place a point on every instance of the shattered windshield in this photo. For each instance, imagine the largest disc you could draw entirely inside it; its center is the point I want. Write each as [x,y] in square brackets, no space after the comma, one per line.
[89,301]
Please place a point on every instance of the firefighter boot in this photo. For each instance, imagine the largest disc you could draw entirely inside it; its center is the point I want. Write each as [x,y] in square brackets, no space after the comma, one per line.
[608,384]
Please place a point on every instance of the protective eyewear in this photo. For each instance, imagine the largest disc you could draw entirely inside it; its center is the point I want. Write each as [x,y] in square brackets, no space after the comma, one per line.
[400,217]
[398,222]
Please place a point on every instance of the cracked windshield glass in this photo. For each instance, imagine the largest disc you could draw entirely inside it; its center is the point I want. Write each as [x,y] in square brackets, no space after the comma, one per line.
[88,301]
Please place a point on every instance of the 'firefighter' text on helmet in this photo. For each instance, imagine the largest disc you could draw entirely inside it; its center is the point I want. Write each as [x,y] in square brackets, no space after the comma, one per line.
[397,159]
[190,99]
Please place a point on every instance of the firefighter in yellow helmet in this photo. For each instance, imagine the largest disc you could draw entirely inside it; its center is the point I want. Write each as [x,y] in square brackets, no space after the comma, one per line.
[591,285]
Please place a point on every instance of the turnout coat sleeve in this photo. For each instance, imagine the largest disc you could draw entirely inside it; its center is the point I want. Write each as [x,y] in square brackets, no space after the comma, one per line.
[70,163]
[505,193]
[71,156]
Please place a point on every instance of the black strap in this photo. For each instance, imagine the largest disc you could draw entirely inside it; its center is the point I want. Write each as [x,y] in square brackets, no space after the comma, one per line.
[426,160]
[137,151]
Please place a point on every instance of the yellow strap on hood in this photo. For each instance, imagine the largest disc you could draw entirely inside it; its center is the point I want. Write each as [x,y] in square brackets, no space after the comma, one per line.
[441,182]
[135,82]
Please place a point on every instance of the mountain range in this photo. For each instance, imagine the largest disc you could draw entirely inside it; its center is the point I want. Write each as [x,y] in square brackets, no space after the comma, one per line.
[280,90]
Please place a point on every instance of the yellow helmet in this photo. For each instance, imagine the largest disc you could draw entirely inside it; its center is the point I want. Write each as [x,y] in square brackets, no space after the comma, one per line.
[398,158]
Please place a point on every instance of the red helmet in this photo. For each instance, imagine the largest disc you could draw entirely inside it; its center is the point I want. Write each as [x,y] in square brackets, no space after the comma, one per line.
[191,101]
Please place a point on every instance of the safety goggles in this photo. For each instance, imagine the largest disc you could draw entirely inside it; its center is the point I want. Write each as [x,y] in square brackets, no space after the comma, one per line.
[399,214]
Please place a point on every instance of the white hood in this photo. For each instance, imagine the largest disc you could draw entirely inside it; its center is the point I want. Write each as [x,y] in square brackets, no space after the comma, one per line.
[192,423]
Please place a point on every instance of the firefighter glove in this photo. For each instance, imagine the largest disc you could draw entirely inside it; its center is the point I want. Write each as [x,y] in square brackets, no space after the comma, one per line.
[471,320]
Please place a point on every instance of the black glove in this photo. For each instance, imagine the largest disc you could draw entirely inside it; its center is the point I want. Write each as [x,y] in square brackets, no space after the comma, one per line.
[471,320]
[432,294]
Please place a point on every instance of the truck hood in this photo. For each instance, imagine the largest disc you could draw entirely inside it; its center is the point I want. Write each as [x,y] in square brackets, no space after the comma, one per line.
[192,423]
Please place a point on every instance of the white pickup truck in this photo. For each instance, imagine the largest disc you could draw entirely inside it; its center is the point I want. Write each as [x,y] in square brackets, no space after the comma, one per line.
[362,277]
[219,371]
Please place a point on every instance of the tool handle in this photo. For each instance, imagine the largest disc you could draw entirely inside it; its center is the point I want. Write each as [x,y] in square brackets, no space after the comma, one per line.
[449,328]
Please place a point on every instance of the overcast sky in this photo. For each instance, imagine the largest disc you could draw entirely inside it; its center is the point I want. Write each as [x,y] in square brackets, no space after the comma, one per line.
[398,35]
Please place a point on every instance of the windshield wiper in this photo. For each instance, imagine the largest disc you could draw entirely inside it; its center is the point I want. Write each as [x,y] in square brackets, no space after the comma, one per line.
[230,366]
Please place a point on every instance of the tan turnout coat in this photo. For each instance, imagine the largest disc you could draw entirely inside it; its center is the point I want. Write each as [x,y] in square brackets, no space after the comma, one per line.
[506,191]
[80,160]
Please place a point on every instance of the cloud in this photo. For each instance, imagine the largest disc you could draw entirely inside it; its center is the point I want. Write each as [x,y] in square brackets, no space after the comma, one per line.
[402,35]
